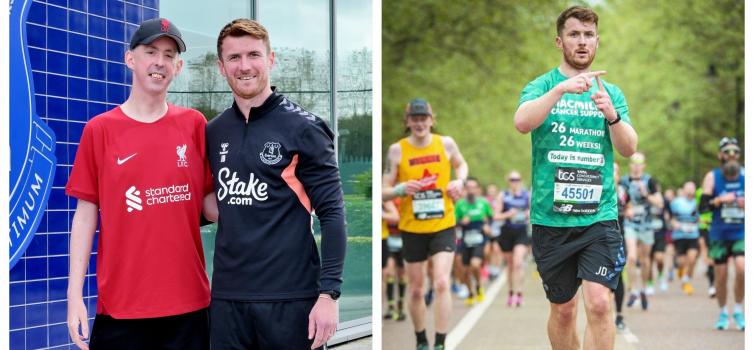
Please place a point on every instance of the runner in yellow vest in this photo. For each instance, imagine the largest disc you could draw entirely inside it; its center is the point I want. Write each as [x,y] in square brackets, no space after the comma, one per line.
[418,169]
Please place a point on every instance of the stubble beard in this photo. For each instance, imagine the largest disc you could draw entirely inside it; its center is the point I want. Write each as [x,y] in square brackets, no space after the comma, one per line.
[571,61]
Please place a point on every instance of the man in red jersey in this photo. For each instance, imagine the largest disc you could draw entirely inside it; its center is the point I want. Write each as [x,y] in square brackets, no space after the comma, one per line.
[142,167]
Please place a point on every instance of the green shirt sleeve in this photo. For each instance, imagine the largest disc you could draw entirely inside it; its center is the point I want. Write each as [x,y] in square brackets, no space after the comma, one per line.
[619,102]
[532,91]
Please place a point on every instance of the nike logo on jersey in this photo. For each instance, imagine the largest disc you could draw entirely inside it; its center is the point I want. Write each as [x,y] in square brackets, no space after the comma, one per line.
[121,161]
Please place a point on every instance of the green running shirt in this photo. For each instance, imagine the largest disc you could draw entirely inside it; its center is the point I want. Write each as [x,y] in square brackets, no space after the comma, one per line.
[572,156]
[476,212]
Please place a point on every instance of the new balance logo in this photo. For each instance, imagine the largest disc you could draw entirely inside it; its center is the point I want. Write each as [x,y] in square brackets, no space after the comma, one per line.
[121,161]
[133,200]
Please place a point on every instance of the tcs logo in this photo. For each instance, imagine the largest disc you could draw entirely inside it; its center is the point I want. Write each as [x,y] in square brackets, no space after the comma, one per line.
[566,175]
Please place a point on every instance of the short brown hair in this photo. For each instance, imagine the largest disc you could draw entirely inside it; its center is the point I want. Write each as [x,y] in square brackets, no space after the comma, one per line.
[242,27]
[583,14]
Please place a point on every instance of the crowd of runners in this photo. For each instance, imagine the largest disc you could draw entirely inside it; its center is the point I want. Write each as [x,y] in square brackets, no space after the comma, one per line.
[670,238]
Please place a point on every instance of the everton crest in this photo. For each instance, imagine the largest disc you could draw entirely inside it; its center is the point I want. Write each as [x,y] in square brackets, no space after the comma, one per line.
[270,155]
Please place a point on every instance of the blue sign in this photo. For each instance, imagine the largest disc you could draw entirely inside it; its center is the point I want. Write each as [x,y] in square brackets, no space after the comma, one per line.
[32,143]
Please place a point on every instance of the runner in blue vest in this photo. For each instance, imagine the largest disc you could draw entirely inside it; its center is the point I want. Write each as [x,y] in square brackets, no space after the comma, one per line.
[723,194]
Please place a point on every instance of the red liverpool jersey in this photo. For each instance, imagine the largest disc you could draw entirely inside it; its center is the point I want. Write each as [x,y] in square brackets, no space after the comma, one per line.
[148,180]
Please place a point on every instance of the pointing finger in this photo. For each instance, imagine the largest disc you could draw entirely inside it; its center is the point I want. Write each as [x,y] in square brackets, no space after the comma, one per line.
[595,73]
[599,83]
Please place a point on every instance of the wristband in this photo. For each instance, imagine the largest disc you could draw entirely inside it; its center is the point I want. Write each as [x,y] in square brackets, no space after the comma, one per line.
[616,121]
[400,189]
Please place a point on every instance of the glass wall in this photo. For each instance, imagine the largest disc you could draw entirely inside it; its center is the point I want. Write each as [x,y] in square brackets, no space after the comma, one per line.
[301,35]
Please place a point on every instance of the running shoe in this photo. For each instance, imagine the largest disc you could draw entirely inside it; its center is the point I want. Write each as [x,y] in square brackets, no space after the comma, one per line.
[463,292]
[439,347]
[389,314]
[644,301]
[454,289]
[722,322]
[738,317]
[469,301]
[511,299]
[619,325]
[712,292]
[687,288]
[631,299]
[664,285]
[480,295]
[399,316]
[422,346]
[650,290]
[519,300]
[429,297]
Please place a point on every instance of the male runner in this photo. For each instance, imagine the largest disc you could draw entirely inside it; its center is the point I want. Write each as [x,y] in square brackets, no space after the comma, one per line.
[418,170]
[474,214]
[142,168]
[514,209]
[640,235]
[575,122]
[274,165]
[685,224]
[723,194]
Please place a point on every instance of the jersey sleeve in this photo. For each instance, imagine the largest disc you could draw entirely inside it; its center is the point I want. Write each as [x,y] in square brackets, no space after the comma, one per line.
[488,210]
[619,103]
[318,172]
[83,183]
[532,91]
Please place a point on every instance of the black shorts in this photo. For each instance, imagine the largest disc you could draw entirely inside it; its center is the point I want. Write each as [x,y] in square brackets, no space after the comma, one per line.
[472,252]
[510,237]
[567,255]
[683,245]
[185,331]
[260,325]
[721,250]
[659,244]
[417,247]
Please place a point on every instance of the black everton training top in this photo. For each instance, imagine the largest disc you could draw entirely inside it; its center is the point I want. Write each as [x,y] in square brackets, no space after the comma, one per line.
[269,176]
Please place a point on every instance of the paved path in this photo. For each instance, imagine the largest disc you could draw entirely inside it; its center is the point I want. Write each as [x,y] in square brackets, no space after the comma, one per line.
[674,321]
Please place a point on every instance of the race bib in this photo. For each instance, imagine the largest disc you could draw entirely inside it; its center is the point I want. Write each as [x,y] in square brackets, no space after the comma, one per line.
[731,213]
[394,243]
[428,205]
[577,191]
[688,227]
[496,227]
[519,218]
[473,238]
[656,224]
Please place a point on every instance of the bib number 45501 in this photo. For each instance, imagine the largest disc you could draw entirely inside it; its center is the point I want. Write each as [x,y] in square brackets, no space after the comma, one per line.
[577,193]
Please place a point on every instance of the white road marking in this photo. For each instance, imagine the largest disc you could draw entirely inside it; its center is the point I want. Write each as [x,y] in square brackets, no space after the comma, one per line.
[456,335]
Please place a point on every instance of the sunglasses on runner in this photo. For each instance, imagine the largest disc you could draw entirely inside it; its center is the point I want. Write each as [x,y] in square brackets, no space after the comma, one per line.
[514,179]
[731,152]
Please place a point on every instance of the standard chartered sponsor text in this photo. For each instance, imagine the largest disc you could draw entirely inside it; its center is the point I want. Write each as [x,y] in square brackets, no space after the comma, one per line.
[168,194]
[240,192]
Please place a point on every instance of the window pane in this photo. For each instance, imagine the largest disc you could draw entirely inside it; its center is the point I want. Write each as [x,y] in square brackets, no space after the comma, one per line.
[200,85]
[300,36]
[354,106]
